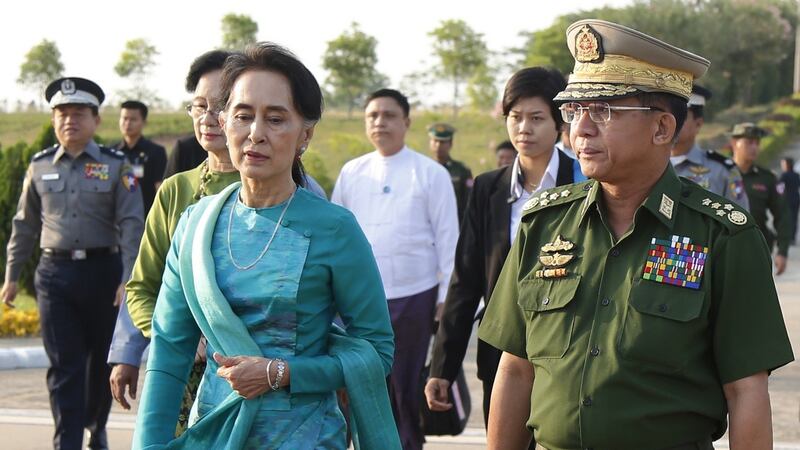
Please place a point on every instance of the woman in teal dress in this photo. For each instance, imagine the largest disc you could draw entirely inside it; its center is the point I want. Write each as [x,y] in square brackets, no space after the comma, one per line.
[261,270]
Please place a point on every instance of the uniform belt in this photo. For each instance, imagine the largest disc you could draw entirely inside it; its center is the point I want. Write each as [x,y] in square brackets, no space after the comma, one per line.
[704,444]
[79,253]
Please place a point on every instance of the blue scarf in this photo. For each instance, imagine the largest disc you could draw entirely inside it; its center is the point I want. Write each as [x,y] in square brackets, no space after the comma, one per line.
[227,426]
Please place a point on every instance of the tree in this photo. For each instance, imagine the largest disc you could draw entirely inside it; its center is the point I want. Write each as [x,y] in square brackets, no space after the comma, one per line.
[461,52]
[135,63]
[42,65]
[481,90]
[351,61]
[238,30]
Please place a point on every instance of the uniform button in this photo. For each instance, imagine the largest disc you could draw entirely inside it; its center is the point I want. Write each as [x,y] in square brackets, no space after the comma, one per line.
[77,240]
[307,233]
[662,308]
[74,215]
[595,351]
[285,223]
[546,301]
[587,401]
[615,252]
[72,191]
[588,187]
[605,301]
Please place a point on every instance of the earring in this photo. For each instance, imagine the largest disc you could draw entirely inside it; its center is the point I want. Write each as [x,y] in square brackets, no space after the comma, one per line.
[302,149]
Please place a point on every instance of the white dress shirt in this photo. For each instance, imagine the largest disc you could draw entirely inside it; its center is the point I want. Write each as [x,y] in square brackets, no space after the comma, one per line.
[518,191]
[406,205]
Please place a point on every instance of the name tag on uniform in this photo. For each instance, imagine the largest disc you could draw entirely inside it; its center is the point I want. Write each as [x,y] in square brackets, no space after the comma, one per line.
[50,176]
[138,170]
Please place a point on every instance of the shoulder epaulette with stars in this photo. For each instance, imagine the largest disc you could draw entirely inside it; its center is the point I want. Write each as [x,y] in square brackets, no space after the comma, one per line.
[729,213]
[720,158]
[112,152]
[43,153]
[556,196]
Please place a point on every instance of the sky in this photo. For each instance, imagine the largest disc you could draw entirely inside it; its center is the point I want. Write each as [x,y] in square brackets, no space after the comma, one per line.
[91,34]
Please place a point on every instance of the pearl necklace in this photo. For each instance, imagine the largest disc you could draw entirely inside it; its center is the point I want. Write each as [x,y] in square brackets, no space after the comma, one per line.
[263,252]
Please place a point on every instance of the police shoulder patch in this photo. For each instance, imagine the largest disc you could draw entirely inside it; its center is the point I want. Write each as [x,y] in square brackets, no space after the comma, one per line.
[45,152]
[556,196]
[720,158]
[112,152]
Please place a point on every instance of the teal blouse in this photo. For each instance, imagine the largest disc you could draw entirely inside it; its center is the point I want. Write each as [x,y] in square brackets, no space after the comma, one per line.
[318,265]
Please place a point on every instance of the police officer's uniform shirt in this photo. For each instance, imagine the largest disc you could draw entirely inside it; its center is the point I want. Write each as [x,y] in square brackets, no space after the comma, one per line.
[632,339]
[407,208]
[521,195]
[90,202]
[714,172]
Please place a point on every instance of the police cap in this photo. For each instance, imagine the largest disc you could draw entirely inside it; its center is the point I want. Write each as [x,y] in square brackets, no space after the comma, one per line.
[74,91]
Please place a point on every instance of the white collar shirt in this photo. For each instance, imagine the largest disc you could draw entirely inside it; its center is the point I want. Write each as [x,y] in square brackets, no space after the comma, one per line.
[521,195]
[406,205]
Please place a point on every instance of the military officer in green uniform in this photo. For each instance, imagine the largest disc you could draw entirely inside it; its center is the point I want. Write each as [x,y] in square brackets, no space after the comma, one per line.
[763,190]
[707,168]
[441,142]
[637,309]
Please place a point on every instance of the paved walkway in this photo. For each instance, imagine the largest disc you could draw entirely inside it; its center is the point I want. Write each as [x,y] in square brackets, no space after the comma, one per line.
[25,421]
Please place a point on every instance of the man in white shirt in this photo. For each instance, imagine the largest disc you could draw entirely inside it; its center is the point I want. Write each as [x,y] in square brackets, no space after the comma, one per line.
[406,205]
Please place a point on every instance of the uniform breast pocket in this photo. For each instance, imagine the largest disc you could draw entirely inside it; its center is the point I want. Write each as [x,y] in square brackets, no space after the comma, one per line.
[550,314]
[97,192]
[53,195]
[661,323]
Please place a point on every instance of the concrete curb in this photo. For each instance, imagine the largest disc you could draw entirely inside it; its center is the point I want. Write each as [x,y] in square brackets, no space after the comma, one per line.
[23,358]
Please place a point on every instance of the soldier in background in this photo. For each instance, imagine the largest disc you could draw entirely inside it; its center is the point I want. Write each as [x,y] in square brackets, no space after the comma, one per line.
[82,203]
[441,143]
[707,168]
[763,190]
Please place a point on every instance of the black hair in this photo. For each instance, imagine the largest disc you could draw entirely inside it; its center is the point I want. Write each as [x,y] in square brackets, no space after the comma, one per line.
[267,56]
[539,82]
[205,63]
[697,111]
[505,145]
[789,162]
[669,103]
[401,99]
[135,104]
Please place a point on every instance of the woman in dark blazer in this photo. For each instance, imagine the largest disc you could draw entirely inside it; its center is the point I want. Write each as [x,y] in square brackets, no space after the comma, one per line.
[490,223]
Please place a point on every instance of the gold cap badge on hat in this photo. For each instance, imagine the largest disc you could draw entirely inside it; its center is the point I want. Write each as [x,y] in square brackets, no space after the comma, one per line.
[588,45]
[613,61]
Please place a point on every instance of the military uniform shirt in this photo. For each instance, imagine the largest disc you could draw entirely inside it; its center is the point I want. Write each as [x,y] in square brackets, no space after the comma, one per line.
[627,355]
[462,184]
[762,190]
[89,202]
[714,172]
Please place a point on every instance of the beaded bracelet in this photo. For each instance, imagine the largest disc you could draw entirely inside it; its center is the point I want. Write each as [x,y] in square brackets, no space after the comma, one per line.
[279,375]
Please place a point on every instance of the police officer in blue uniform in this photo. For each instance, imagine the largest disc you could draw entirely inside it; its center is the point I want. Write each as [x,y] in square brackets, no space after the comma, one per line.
[81,202]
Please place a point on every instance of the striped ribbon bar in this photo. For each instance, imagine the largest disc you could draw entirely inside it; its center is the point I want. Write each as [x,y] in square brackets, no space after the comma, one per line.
[677,262]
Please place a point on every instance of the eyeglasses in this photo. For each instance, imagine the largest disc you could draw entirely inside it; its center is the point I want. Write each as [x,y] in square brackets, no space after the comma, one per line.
[198,111]
[599,112]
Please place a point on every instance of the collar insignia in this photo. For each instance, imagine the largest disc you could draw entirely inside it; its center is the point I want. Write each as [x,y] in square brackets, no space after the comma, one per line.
[666,206]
